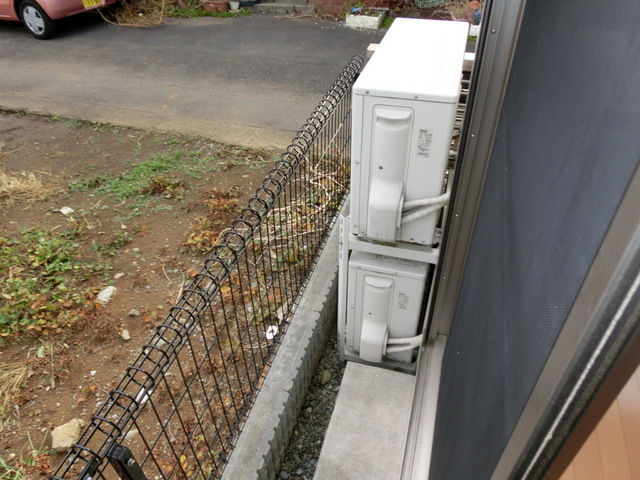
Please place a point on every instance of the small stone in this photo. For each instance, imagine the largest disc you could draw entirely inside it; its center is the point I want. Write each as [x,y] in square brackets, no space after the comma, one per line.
[134,313]
[118,276]
[125,334]
[325,377]
[131,434]
[284,475]
[64,436]
[161,343]
[106,295]
[66,210]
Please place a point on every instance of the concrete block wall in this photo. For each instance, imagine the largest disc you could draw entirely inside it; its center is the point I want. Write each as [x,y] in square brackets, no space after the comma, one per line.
[261,445]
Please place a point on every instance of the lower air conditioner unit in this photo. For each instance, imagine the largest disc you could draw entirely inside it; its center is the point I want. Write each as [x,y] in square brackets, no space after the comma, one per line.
[384,308]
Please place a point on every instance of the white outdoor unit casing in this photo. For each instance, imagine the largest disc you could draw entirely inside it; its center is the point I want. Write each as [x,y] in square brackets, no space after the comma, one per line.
[385,297]
[404,107]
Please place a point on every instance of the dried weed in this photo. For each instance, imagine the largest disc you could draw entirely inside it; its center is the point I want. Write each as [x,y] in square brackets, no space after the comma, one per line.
[12,377]
[21,187]
[136,13]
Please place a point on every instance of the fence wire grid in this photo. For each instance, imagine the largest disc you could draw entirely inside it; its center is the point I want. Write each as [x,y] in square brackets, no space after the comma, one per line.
[180,406]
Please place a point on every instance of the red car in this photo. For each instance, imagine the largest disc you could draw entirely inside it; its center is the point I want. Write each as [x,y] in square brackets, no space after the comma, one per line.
[39,15]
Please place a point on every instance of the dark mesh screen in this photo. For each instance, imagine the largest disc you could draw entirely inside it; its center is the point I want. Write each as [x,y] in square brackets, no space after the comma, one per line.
[567,143]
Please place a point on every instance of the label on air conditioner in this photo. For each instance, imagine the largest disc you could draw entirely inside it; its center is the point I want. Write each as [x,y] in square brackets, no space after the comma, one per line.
[424,143]
[403,301]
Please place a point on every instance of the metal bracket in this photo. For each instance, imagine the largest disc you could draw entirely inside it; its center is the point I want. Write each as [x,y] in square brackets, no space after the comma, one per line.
[122,461]
[89,470]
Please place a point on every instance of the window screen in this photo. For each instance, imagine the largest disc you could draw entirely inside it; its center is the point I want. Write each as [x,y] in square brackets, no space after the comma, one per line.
[567,143]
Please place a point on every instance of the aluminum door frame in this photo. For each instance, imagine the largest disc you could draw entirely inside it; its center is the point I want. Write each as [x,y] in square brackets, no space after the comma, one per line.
[494,55]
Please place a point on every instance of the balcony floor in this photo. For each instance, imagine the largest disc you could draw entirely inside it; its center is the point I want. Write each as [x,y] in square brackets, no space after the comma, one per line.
[612,451]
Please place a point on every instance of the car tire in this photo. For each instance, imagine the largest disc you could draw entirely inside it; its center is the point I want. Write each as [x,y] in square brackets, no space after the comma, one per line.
[36,20]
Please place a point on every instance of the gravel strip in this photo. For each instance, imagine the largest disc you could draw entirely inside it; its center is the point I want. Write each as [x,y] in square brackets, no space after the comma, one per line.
[301,455]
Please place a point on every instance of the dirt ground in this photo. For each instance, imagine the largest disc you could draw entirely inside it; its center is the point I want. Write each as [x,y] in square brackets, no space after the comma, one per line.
[69,372]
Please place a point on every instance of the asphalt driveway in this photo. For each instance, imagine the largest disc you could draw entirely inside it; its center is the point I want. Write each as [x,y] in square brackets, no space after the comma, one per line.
[250,81]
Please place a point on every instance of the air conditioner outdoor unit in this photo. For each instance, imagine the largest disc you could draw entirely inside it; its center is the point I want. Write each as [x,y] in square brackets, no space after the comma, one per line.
[403,113]
[383,288]
[404,109]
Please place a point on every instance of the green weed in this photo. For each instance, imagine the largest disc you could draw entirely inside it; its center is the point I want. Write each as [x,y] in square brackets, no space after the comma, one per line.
[11,472]
[176,12]
[74,123]
[119,240]
[150,177]
[35,464]
[68,122]
[41,277]
[175,141]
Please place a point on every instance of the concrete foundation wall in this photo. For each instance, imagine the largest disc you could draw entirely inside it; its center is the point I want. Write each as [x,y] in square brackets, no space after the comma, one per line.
[267,431]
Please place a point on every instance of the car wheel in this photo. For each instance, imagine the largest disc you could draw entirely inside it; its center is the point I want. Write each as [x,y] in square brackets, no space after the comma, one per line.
[36,20]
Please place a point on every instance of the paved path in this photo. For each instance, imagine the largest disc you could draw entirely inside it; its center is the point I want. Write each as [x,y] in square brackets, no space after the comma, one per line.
[250,81]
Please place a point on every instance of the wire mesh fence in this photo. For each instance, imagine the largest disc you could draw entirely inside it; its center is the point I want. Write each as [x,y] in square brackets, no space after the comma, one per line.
[180,406]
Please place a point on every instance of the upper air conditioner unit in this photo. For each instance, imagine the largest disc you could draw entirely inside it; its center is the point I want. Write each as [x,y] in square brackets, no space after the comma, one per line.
[404,108]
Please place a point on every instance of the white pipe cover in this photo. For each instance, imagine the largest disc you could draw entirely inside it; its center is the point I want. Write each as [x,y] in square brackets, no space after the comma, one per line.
[376,305]
[390,148]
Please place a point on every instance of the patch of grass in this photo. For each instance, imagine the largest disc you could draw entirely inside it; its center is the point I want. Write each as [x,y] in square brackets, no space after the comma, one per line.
[69,122]
[36,464]
[137,181]
[74,123]
[156,176]
[177,12]
[192,157]
[89,183]
[175,141]
[20,113]
[149,13]
[119,240]
[41,282]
